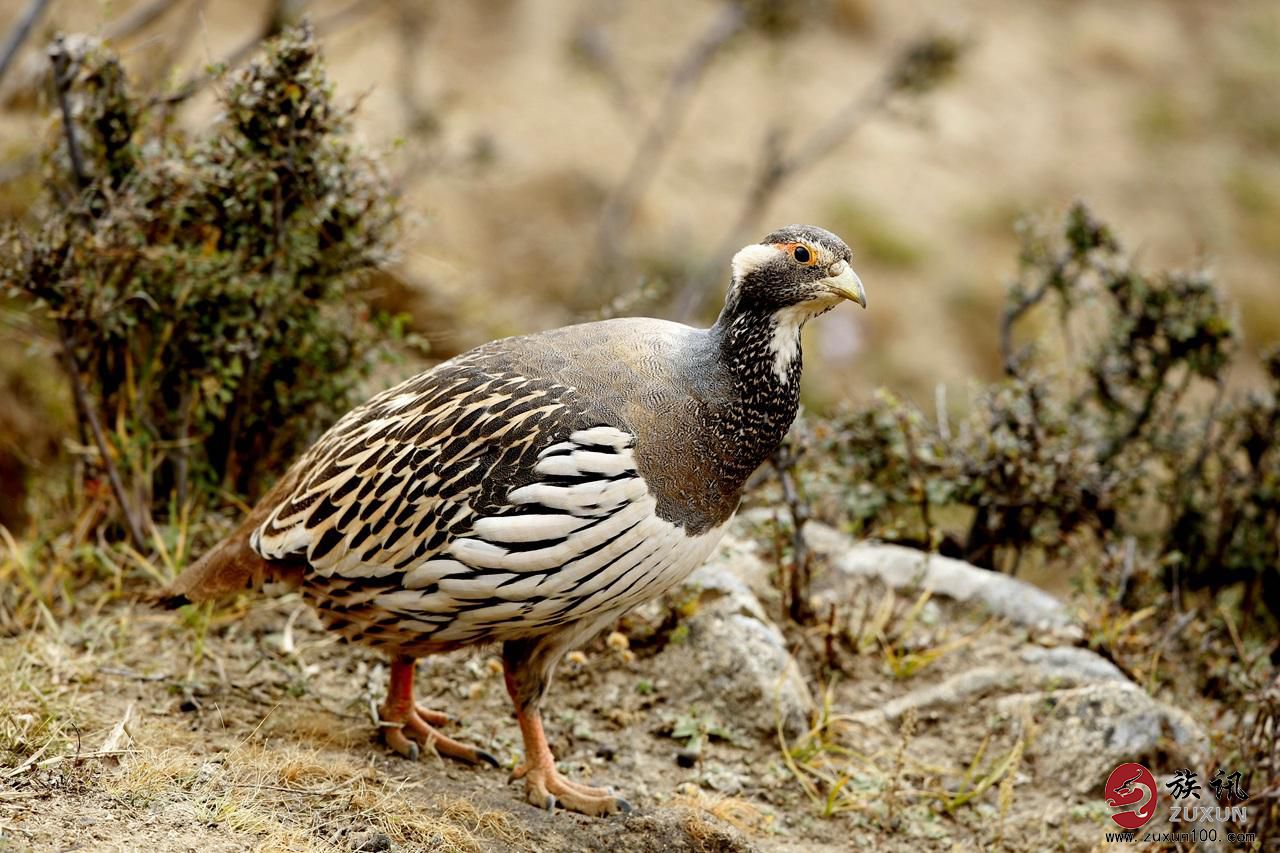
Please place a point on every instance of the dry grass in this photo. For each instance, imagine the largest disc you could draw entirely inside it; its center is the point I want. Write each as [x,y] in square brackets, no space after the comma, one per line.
[294,778]
[277,748]
[247,723]
[884,784]
[293,798]
[831,765]
[743,815]
[95,711]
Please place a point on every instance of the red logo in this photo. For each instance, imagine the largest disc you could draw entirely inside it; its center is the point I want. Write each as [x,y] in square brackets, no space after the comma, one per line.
[1131,787]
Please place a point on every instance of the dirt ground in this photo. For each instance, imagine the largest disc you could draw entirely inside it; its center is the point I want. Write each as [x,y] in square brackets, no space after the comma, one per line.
[250,728]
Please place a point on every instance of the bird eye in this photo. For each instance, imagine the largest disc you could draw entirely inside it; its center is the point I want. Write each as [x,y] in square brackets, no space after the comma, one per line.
[802,254]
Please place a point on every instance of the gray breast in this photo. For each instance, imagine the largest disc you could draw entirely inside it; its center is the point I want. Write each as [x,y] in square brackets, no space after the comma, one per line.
[660,381]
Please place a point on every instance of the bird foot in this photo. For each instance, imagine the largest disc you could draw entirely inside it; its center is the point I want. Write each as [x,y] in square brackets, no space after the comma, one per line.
[545,787]
[404,729]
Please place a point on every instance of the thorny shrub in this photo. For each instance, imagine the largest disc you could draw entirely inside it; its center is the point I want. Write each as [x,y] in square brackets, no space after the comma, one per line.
[204,292]
[1118,428]
[1111,448]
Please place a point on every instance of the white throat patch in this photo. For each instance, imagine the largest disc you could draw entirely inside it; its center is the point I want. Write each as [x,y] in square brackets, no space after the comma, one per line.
[785,343]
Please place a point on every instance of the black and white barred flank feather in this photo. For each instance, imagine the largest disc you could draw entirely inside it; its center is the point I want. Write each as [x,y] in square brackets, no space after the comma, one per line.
[472,504]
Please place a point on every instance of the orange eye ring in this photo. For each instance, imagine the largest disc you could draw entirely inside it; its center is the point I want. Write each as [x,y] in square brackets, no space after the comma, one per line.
[802,254]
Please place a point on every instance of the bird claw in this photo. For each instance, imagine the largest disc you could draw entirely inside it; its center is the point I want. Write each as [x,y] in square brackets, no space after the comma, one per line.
[407,732]
[546,788]
[436,718]
[393,736]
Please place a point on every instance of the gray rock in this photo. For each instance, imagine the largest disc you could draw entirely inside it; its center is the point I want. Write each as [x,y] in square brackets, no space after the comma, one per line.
[950,692]
[899,568]
[747,673]
[740,557]
[735,660]
[1051,668]
[1080,714]
[1094,716]
[1089,730]
[720,582]
[1071,664]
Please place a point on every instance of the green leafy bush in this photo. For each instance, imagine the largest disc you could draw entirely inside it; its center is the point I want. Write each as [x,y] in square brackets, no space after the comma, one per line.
[206,291]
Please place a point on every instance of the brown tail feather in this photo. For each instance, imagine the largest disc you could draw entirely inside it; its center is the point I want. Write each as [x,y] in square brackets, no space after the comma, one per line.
[232,566]
[229,567]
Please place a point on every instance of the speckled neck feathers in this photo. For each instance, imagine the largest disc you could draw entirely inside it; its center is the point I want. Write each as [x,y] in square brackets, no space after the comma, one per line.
[761,354]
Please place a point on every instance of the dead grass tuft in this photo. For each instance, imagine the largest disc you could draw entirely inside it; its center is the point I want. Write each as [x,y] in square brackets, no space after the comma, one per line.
[738,813]
[302,799]
[315,727]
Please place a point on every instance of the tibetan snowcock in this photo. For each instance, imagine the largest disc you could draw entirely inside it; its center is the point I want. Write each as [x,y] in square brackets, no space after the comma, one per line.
[532,490]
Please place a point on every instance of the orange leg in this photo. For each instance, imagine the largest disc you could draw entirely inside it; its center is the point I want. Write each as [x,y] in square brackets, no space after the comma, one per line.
[405,724]
[544,786]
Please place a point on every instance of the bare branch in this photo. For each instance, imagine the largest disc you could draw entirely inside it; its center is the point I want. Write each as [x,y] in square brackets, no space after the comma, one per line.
[590,45]
[138,19]
[916,69]
[19,33]
[90,415]
[281,14]
[63,71]
[797,592]
[1018,305]
[619,210]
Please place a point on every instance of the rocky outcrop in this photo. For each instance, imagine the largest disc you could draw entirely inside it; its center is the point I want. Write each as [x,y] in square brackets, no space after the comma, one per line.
[735,660]
[906,568]
[1023,679]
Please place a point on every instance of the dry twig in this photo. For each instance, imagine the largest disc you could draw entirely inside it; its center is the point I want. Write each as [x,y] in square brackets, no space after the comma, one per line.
[797,594]
[138,19]
[62,74]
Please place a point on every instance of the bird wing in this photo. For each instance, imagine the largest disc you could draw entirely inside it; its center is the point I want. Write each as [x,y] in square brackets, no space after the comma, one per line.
[468,502]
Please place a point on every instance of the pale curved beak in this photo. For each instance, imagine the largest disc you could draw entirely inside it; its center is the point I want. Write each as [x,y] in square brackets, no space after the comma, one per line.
[845,283]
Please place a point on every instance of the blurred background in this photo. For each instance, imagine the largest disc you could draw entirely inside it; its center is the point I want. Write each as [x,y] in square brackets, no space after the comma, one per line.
[521,132]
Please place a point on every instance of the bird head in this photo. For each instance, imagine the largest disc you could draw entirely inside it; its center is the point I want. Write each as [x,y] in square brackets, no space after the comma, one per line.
[800,269]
